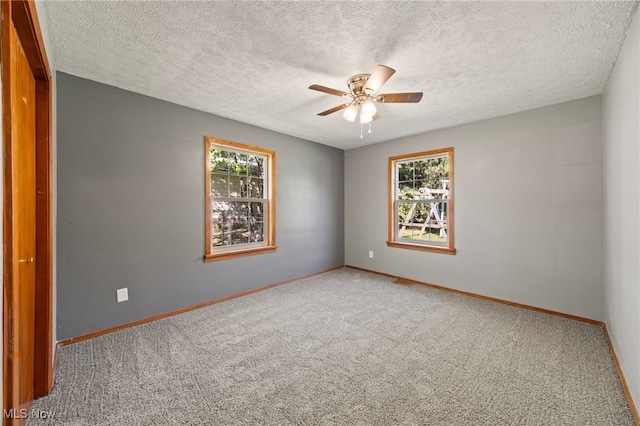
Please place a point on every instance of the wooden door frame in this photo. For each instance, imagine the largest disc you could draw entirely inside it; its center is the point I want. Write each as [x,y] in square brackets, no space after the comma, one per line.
[25,20]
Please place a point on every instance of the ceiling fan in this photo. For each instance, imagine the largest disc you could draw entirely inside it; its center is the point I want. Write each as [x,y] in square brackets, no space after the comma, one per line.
[362,95]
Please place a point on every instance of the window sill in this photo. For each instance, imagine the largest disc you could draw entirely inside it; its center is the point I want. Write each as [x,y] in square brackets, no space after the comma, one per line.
[421,247]
[233,254]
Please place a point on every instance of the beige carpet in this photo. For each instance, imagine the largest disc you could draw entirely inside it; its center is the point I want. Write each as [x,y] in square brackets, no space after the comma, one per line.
[343,348]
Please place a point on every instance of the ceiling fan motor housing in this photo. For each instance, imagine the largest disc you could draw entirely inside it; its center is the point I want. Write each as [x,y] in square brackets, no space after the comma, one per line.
[355,84]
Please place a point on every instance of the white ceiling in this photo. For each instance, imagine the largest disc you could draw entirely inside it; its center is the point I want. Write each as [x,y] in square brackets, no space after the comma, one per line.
[253,61]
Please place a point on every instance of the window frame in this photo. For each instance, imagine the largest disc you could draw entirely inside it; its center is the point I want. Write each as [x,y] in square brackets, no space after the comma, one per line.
[268,245]
[392,240]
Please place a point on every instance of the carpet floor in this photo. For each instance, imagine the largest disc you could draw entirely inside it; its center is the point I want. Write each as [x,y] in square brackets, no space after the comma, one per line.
[342,348]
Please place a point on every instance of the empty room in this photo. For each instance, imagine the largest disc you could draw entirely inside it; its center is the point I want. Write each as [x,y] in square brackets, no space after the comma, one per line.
[321,212]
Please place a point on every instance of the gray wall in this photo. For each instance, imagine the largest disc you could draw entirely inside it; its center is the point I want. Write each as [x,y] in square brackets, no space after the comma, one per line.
[621,112]
[131,208]
[528,209]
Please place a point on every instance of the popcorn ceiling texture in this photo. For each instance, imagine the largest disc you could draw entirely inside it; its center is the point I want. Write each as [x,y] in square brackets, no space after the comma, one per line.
[253,61]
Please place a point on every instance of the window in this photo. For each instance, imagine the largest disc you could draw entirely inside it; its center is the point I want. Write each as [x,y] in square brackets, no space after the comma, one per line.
[421,201]
[239,201]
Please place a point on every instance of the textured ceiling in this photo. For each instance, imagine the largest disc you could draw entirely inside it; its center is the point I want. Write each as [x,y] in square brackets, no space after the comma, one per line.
[253,61]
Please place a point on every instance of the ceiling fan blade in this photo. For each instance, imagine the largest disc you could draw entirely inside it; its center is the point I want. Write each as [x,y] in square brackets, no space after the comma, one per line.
[380,75]
[328,90]
[375,116]
[334,109]
[389,98]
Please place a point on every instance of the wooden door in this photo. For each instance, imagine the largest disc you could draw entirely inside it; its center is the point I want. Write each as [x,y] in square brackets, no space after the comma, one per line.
[27,218]
[23,159]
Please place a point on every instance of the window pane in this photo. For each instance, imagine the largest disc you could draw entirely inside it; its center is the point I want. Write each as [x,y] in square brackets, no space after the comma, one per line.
[256,210]
[437,212]
[244,187]
[424,190]
[256,166]
[220,232]
[227,213]
[420,213]
[238,163]
[256,188]
[235,186]
[240,231]
[257,232]
[420,169]
[406,191]
[405,212]
[238,210]
[437,171]
[430,232]
[443,210]
[405,171]
[234,223]
[239,222]
[219,208]
[234,157]
[216,232]
[436,232]
[243,164]
[219,161]
[422,221]
[219,185]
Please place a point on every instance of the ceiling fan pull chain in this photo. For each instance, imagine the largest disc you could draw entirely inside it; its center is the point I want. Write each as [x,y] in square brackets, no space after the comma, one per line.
[361,137]
[369,127]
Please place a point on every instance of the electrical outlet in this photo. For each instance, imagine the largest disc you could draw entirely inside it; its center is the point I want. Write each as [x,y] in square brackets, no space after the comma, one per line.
[370,254]
[122,294]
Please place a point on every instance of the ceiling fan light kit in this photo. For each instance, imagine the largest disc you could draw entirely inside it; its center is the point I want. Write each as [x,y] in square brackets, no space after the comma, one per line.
[362,89]
[368,109]
[350,113]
